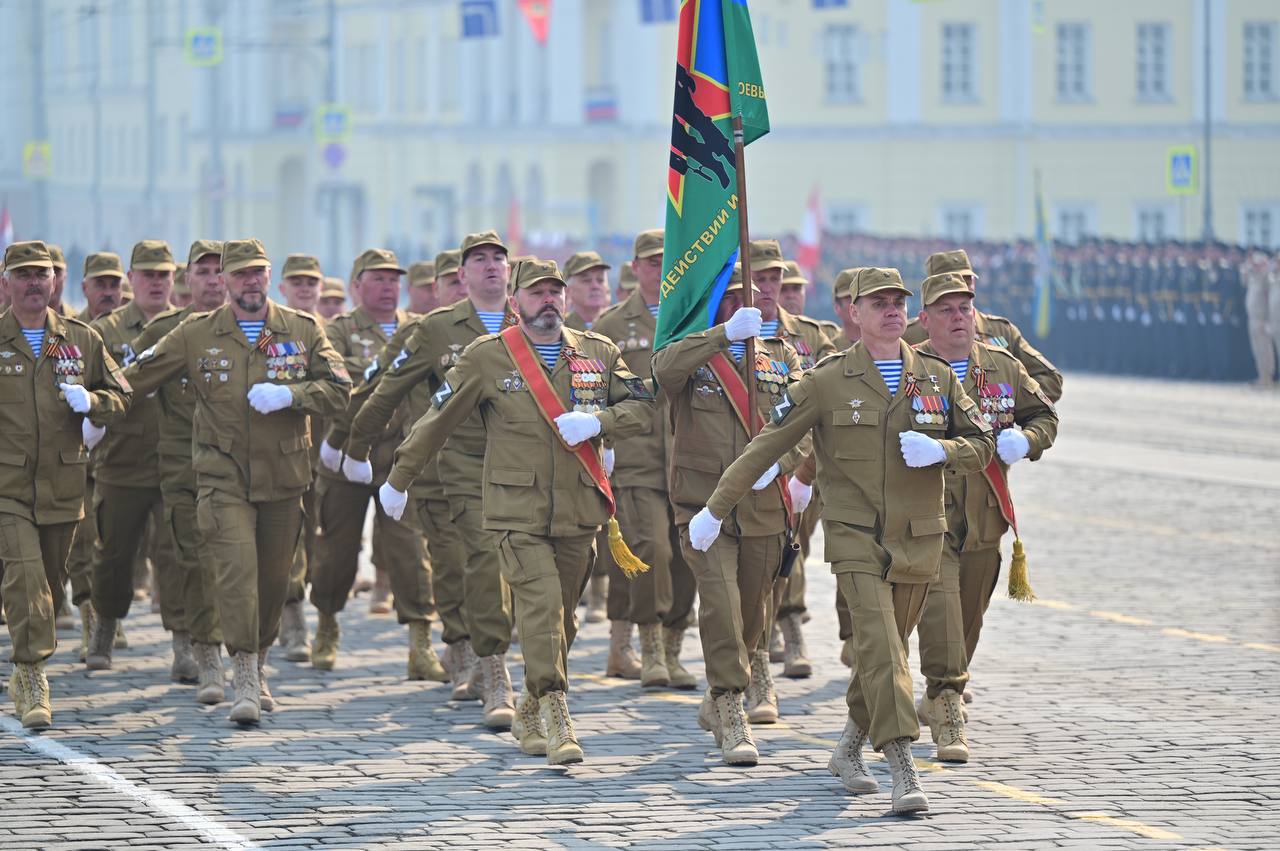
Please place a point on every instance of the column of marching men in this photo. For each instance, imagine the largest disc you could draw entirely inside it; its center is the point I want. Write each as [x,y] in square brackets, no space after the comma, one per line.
[524,449]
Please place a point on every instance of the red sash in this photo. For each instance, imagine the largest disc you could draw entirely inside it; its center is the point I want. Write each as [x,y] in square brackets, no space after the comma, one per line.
[735,390]
[536,379]
[1000,485]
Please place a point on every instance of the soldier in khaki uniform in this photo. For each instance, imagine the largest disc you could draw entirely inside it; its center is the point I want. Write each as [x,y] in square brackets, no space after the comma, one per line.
[55,375]
[257,370]
[127,495]
[333,299]
[59,281]
[992,330]
[540,500]
[181,295]
[735,578]
[435,347]
[103,285]
[781,284]
[1026,424]
[176,401]
[343,498]
[659,601]
[423,297]
[882,508]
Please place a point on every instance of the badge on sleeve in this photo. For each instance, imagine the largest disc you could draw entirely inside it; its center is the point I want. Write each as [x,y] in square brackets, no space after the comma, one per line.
[441,396]
[636,387]
[783,407]
[400,358]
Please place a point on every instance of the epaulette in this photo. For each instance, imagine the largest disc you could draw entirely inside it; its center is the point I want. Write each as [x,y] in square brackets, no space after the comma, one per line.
[999,351]
[597,336]
[932,356]
[167,314]
[71,320]
[825,359]
[610,310]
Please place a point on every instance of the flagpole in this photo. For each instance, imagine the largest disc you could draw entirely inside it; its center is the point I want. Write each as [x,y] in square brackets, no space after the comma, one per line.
[744,253]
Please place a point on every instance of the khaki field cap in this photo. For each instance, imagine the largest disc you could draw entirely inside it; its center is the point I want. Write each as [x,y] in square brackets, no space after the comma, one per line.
[102,263]
[793,275]
[529,272]
[240,254]
[56,257]
[333,288]
[582,261]
[735,281]
[203,248]
[375,259]
[302,264]
[648,243]
[873,280]
[766,254]
[936,286]
[152,255]
[843,287]
[180,280]
[475,240]
[627,278]
[949,261]
[422,274]
[34,253]
[448,262]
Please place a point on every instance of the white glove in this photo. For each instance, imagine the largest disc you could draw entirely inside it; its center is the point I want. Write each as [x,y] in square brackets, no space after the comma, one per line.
[392,501]
[801,495]
[743,324]
[769,475]
[608,462]
[269,398]
[577,426]
[330,457]
[1012,445]
[360,472]
[91,433]
[78,399]
[920,450]
[703,530]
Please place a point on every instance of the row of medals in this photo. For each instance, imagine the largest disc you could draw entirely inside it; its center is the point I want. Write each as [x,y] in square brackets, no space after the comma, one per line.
[70,370]
[286,366]
[997,409]
[930,410]
[771,376]
[587,387]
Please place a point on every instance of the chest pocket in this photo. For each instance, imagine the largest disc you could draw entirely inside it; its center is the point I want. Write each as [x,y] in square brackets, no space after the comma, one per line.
[857,438]
[217,374]
[707,395]
[12,384]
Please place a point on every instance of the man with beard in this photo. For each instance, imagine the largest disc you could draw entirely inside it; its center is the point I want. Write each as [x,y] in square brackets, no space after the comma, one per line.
[257,369]
[547,395]
[178,479]
[56,376]
[476,662]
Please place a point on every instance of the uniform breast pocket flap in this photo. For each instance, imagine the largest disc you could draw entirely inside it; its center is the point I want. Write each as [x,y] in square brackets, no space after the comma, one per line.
[931,525]
[74,456]
[512,478]
[854,416]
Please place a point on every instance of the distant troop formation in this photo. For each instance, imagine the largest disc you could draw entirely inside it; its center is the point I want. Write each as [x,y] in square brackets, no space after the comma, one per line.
[525,450]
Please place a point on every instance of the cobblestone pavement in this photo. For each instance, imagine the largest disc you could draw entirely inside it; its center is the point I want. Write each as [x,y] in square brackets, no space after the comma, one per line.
[1133,705]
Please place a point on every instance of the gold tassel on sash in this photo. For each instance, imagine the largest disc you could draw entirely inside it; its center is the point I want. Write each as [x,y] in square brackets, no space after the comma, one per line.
[1019,583]
[627,562]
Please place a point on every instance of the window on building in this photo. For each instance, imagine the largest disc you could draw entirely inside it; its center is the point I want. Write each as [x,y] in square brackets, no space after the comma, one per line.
[399,78]
[959,62]
[448,76]
[184,149]
[361,82]
[1259,60]
[657,11]
[1259,225]
[1073,62]
[830,4]
[1153,62]
[161,136]
[121,62]
[845,218]
[961,222]
[56,56]
[421,75]
[1074,223]
[1152,223]
[840,55]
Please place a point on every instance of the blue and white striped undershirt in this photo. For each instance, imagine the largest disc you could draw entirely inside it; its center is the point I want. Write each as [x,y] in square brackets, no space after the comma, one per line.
[891,372]
[738,349]
[388,328]
[35,339]
[492,320]
[769,328]
[653,308]
[252,329]
[960,368]
[550,352]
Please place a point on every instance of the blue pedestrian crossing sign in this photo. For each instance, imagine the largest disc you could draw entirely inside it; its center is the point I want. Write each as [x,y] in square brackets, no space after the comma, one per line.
[203,46]
[1182,172]
[333,123]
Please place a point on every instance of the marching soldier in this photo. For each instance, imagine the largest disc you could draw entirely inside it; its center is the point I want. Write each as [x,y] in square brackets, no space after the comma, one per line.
[59,280]
[176,401]
[435,347]
[103,285]
[256,369]
[55,376]
[127,482]
[343,498]
[701,376]
[181,295]
[659,601]
[300,283]
[546,395]
[992,330]
[333,299]
[1025,424]
[422,288]
[882,510]
[842,296]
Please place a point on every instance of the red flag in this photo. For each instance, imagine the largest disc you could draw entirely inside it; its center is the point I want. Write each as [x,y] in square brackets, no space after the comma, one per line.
[6,228]
[515,242]
[809,249]
[538,14]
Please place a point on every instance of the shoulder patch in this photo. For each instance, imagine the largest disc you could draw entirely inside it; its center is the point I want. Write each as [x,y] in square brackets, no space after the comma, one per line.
[441,396]
[637,388]
[785,406]
[970,409]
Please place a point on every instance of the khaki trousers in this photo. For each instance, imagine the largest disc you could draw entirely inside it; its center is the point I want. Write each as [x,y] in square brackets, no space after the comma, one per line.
[122,514]
[883,615]
[486,597]
[644,515]
[547,577]
[342,507]
[305,553]
[448,564]
[734,579]
[34,559]
[199,576]
[953,615]
[80,560]
[251,545]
